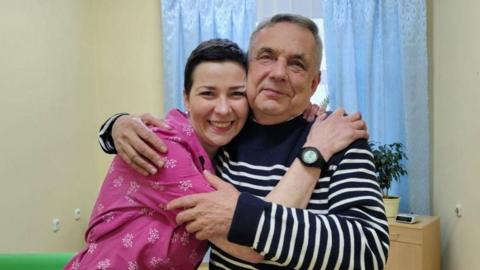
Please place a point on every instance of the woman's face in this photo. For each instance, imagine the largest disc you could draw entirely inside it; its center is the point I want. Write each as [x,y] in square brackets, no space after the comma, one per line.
[217,104]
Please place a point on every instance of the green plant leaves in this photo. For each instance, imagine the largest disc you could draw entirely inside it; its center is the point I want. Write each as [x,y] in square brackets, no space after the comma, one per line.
[387,160]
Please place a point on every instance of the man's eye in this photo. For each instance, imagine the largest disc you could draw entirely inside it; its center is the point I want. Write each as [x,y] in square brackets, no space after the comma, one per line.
[264,56]
[297,65]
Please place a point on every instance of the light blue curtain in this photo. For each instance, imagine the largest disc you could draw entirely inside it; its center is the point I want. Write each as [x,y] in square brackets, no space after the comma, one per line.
[188,22]
[377,64]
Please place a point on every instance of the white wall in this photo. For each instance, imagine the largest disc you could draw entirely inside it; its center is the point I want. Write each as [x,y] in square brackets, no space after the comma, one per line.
[128,59]
[64,66]
[454,36]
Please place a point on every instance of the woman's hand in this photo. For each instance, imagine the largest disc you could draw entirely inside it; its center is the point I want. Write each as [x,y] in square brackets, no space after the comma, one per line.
[313,111]
[333,133]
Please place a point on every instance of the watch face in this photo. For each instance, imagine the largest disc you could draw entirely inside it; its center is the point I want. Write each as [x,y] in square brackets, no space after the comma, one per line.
[310,156]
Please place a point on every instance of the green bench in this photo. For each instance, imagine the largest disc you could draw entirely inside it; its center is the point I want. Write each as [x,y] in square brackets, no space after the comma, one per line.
[34,261]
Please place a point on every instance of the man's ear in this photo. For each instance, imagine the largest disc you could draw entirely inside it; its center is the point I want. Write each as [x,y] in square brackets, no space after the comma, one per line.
[316,81]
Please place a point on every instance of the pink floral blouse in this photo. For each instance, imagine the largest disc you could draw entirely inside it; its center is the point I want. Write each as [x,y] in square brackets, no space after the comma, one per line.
[129,227]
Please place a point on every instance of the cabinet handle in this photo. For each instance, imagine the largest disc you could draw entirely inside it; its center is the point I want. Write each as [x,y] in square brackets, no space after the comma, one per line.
[394,236]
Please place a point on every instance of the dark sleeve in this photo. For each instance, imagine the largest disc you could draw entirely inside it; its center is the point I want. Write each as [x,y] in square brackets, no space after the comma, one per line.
[353,234]
[247,215]
[105,134]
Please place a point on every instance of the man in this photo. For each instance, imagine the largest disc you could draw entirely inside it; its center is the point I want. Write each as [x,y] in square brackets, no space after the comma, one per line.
[325,211]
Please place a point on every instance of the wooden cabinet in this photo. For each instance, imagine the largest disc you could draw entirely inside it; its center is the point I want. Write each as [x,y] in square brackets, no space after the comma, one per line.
[414,246]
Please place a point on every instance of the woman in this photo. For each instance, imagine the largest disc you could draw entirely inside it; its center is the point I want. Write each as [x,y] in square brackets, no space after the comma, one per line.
[130,227]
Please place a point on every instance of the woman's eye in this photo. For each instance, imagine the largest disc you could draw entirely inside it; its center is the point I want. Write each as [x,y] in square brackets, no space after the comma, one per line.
[206,93]
[239,93]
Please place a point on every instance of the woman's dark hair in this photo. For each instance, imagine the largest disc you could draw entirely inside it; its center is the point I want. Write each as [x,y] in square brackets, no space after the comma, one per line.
[213,50]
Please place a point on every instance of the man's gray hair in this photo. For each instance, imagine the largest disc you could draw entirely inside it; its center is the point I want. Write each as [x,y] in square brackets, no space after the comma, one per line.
[299,20]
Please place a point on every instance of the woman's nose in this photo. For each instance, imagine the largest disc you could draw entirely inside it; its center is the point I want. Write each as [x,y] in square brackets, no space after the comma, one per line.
[223,106]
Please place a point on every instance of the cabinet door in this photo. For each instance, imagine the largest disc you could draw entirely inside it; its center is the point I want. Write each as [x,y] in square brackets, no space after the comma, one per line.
[404,256]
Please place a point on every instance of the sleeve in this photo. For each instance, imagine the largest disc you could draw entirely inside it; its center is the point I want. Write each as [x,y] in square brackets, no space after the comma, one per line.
[353,235]
[105,134]
[182,173]
[129,222]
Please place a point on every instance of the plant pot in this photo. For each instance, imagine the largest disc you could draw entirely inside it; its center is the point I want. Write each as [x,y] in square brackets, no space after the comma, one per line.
[392,204]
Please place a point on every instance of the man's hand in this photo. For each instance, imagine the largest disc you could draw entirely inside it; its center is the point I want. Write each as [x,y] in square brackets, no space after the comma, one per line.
[133,142]
[333,133]
[208,215]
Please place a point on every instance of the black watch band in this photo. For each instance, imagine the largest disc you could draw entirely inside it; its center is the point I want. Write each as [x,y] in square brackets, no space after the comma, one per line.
[311,157]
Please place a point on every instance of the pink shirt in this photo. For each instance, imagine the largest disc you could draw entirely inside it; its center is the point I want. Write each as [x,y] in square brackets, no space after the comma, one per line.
[129,227]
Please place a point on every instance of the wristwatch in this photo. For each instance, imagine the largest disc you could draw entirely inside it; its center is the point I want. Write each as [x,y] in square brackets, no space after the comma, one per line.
[311,157]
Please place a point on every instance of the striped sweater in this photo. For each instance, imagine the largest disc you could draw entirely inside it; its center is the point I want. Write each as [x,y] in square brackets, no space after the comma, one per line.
[344,225]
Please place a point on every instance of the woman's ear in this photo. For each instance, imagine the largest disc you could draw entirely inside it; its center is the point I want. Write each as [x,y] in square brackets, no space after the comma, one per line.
[186,101]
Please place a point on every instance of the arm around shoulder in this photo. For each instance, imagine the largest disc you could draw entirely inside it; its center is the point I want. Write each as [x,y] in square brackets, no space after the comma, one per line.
[351,233]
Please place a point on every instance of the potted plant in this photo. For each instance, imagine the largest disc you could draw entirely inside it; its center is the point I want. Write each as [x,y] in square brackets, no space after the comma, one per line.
[387,159]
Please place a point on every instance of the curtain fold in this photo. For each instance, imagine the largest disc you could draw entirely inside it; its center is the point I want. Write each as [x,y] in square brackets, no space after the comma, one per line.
[186,23]
[377,64]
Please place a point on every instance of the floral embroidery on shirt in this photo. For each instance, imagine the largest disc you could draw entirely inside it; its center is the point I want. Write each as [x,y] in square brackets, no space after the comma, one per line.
[92,247]
[147,211]
[127,241]
[134,186]
[185,185]
[155,261]
[105,264]
[185,238]
[162,206]
[188,130]
[132,265]
[100,207]
[112,168]
[153,235]
[117,182]
[193,256]
[108,217]
[157,186]
[175,237]
[176,139]
[129,199]
[75,265]
[169,163]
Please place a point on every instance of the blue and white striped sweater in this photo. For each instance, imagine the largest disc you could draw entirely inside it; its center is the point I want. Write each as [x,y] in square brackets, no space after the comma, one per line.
[344,225]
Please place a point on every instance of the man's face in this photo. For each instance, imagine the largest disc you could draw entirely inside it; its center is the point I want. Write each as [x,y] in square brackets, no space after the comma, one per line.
[282,75]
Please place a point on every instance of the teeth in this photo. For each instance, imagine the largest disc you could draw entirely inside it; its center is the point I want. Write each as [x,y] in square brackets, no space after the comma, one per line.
[221,124]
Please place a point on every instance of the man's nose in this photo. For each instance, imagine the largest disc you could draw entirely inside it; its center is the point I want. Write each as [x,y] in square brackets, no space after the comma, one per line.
[279,70]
